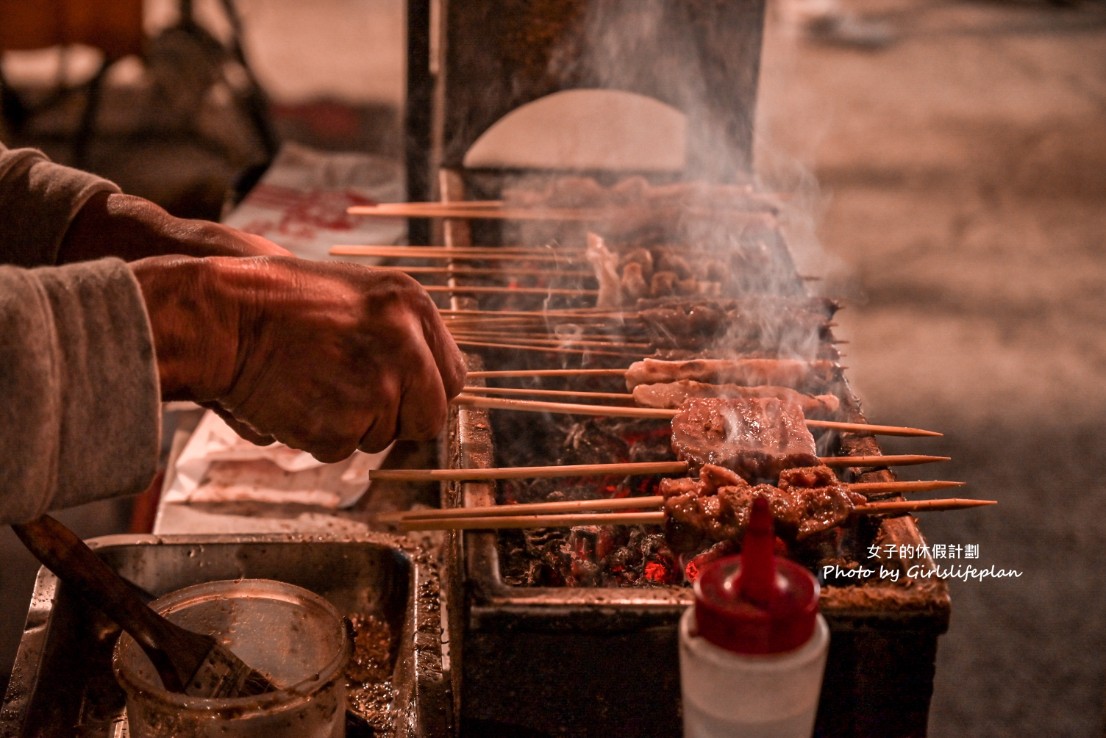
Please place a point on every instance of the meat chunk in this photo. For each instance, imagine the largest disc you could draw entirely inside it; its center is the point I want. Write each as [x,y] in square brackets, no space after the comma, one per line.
[755,437]
[675,394]
[698,518]
[821,508]
[824,501]
[605,264]
[793,373]
[807,477]
[711,479]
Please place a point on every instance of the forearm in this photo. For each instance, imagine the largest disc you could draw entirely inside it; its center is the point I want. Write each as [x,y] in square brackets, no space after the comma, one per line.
[114,224]
[81,416]
[39,199]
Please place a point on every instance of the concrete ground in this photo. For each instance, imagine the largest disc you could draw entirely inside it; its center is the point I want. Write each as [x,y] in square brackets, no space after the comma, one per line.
[950,162]
[962,191]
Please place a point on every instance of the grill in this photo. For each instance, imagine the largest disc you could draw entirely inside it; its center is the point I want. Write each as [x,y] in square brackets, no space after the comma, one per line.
[571,645]
[550,637]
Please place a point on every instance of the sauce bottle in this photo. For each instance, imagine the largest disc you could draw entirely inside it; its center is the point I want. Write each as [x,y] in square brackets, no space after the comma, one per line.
[753,646]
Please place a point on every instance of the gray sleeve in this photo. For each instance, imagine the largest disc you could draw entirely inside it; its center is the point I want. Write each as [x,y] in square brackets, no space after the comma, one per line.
[38,199]
[79,420]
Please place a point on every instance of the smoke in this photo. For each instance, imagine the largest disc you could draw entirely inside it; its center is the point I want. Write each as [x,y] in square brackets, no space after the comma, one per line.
[704,58]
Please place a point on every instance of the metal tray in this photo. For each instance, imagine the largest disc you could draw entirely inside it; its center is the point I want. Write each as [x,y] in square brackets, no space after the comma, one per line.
[62,683]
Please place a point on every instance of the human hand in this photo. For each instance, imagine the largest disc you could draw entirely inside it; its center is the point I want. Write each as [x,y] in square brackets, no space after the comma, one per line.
[325,357]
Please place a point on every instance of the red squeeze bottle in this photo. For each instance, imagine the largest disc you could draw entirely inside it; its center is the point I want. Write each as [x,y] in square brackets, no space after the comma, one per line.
[753,646]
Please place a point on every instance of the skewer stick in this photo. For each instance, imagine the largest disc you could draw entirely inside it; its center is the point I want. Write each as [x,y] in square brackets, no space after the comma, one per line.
[536,508]
[531,334]
[502,403]
[738,202]
[455,210]
[617,469]
[924,485]
[438,204]
[399,252]
[516,212]
[545,340]
[489,271]
[640,504]
[497,290]
[882,460]
[898,506]
[534,521]
[530,472]
[541,315]
[547,349]
[498,373]
[613,396]
[568,520]
[521,250]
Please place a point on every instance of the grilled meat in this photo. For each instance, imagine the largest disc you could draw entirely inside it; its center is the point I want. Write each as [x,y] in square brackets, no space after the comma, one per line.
[675,394]
[756,437]
[701,512]
[795,373]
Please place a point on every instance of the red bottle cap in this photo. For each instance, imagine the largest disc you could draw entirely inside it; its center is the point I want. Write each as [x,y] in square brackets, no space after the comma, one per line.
[753,603]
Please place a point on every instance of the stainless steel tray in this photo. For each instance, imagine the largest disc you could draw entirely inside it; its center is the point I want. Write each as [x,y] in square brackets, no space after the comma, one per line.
[62,684]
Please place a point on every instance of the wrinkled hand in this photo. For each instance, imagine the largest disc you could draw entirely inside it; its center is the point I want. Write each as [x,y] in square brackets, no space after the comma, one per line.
[322,356]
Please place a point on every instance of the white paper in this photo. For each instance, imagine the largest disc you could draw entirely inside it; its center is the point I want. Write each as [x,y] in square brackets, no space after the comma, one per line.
[218,465]
[300,202]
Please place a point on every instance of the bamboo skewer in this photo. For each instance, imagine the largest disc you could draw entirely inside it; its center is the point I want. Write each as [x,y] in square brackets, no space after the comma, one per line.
[502,403]
[741,203]
[547,349]
[613,396]
[535,508]
[517,212]
[501,290]
[551,341]
[564,506]
[430,253]
[542,315]
[500,373]
[432,205]
[534,521]
[636,469]
[488,271]
[519,250]
[563,520]
[530,472]
[879,460]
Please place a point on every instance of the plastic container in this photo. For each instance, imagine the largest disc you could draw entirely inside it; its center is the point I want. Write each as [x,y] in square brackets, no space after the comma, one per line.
[753,646]
[290,634]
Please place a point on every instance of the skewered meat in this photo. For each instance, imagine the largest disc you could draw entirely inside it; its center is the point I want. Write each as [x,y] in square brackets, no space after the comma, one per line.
[675,394]
[633,284]
[666,274]
[703,511]
[757,437]
[605,264]
[754,324]
[640,256]
[635,190]
[794,373]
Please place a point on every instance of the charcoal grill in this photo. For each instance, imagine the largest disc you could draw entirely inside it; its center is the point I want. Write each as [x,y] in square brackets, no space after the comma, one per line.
[584,660]
[595,660]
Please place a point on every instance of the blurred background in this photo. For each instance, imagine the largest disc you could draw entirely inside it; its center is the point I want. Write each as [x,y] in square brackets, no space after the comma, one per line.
[949,162]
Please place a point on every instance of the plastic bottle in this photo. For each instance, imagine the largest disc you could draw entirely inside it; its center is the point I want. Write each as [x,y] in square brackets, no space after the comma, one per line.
[753,646]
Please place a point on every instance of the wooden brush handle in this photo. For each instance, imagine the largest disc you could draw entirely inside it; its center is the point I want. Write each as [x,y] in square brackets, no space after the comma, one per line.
[68,557]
